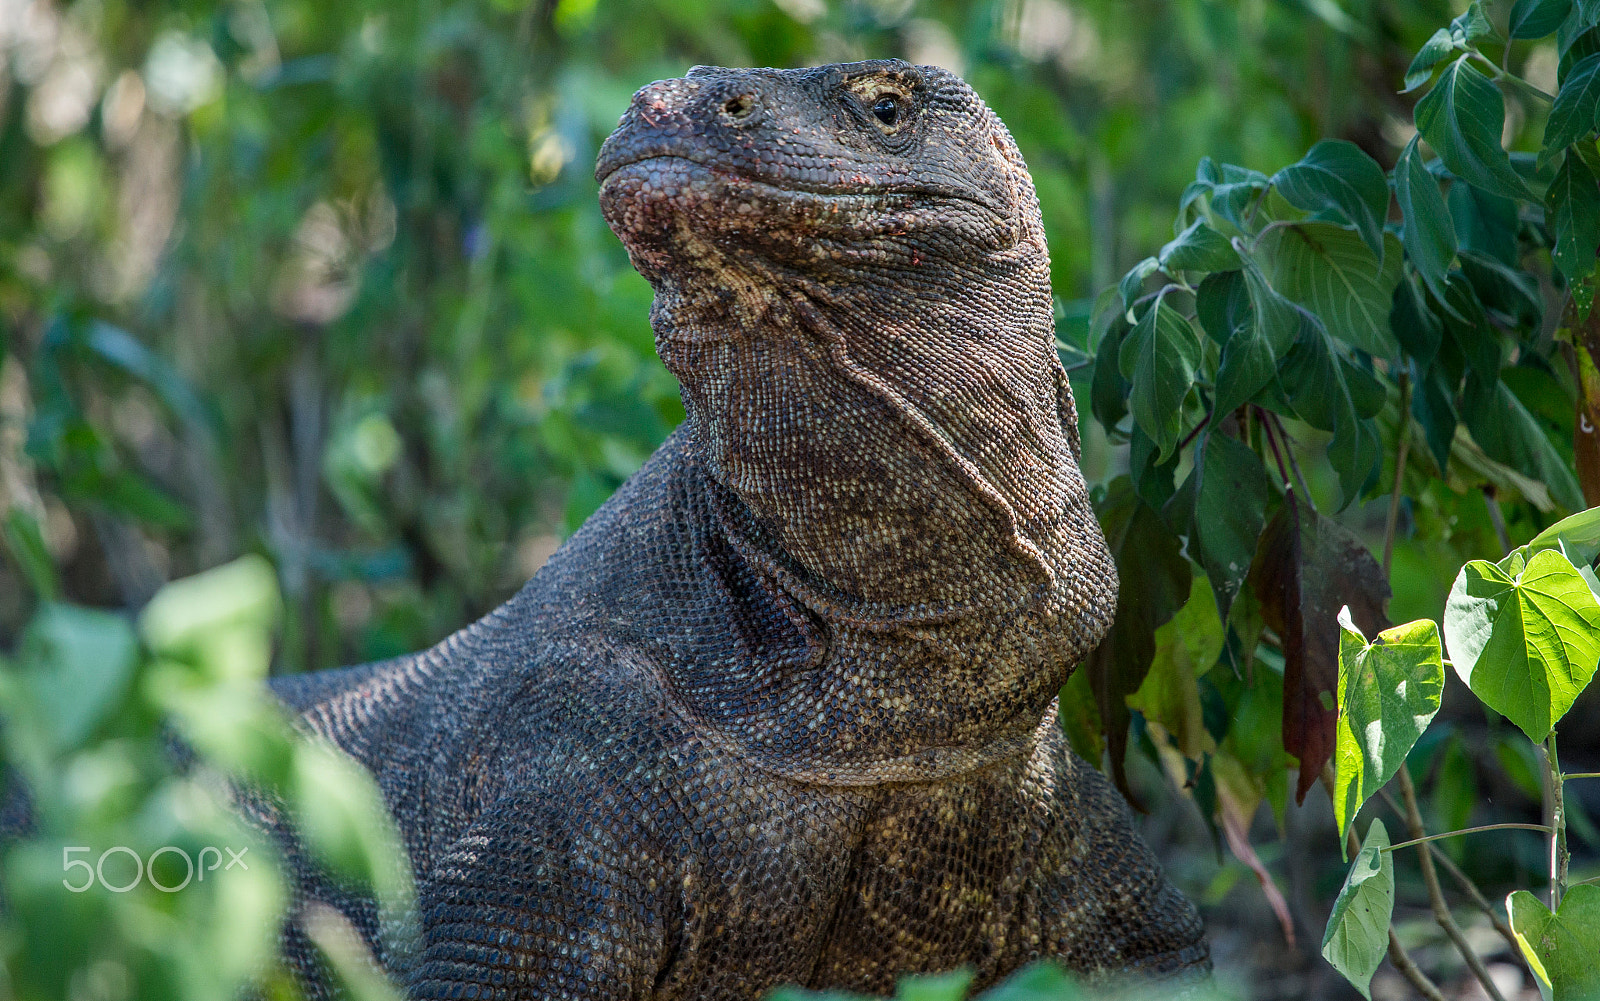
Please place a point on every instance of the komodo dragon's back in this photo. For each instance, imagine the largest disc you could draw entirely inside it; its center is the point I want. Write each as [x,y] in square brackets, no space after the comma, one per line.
[783,710]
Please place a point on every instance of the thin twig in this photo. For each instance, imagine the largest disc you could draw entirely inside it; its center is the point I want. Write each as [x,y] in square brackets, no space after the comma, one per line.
[1408,969]
[1464,882]
[1441,910]
[1541,828]
[1399,473]
[1272,443]
[1288,449]
[1569,776]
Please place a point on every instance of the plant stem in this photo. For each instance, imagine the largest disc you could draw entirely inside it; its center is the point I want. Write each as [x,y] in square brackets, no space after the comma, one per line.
[1465,883]
[1397,952]
[1555,814]
[1288,449]
[1497,519]
[1399,473]
[1569,776]
[1541,828]
[1272,442]
[1441,910]
[1514,80]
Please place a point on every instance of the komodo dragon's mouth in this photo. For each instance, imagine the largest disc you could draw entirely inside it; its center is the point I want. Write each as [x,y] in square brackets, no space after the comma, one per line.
[678,175]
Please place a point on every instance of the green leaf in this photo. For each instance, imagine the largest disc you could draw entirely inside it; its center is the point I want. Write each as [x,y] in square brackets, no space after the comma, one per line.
[1329,392]
[1187,646]
[1328,270]
[1536,18]
[219,621]
[1132,284]
[1433,52]
[1472,24]
[1576,111]
[951,986]
[77,662]
[1222,305]
[1525,645]
[1250,353]
[1389,691]
[1227,188]
[1509,434]
[1577,536]
[1572,205]
[1560,948]
[1198,248]
[1230,500]
[1145,548]
[1041,981]
[1108,390]
[1357,937]
[1159,357]
[1462,118]
[1336,174]
[1430,236]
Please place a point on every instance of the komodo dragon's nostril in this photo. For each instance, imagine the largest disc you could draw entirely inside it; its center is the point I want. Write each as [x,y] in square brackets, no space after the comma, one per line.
[739,107]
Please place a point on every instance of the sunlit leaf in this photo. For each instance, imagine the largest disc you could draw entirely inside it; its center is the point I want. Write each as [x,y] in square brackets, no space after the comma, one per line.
[1527,644]
[1389,691]
[1577,536]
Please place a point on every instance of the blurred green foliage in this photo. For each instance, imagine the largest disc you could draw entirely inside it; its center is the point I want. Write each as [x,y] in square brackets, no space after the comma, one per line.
[127,873]
[328,282]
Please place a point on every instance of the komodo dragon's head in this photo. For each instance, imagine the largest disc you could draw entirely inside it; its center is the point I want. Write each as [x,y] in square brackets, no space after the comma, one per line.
[853,288]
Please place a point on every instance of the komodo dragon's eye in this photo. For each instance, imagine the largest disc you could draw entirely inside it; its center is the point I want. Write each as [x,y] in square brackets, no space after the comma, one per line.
[887,108]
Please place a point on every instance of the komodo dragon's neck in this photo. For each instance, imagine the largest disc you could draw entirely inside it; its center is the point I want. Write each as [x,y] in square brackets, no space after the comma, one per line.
[879,433]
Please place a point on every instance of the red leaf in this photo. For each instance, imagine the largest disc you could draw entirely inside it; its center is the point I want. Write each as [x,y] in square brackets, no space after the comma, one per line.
[1306,567]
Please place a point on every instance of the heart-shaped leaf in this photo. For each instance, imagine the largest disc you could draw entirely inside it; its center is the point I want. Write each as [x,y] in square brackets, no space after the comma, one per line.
[1388,694]
[1561,948]
[1527,644]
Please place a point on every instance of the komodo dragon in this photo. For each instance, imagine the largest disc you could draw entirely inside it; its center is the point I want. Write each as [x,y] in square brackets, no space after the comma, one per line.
[784,709]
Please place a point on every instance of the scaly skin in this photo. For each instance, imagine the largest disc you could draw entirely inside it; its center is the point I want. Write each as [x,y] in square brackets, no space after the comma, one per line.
[783,710]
